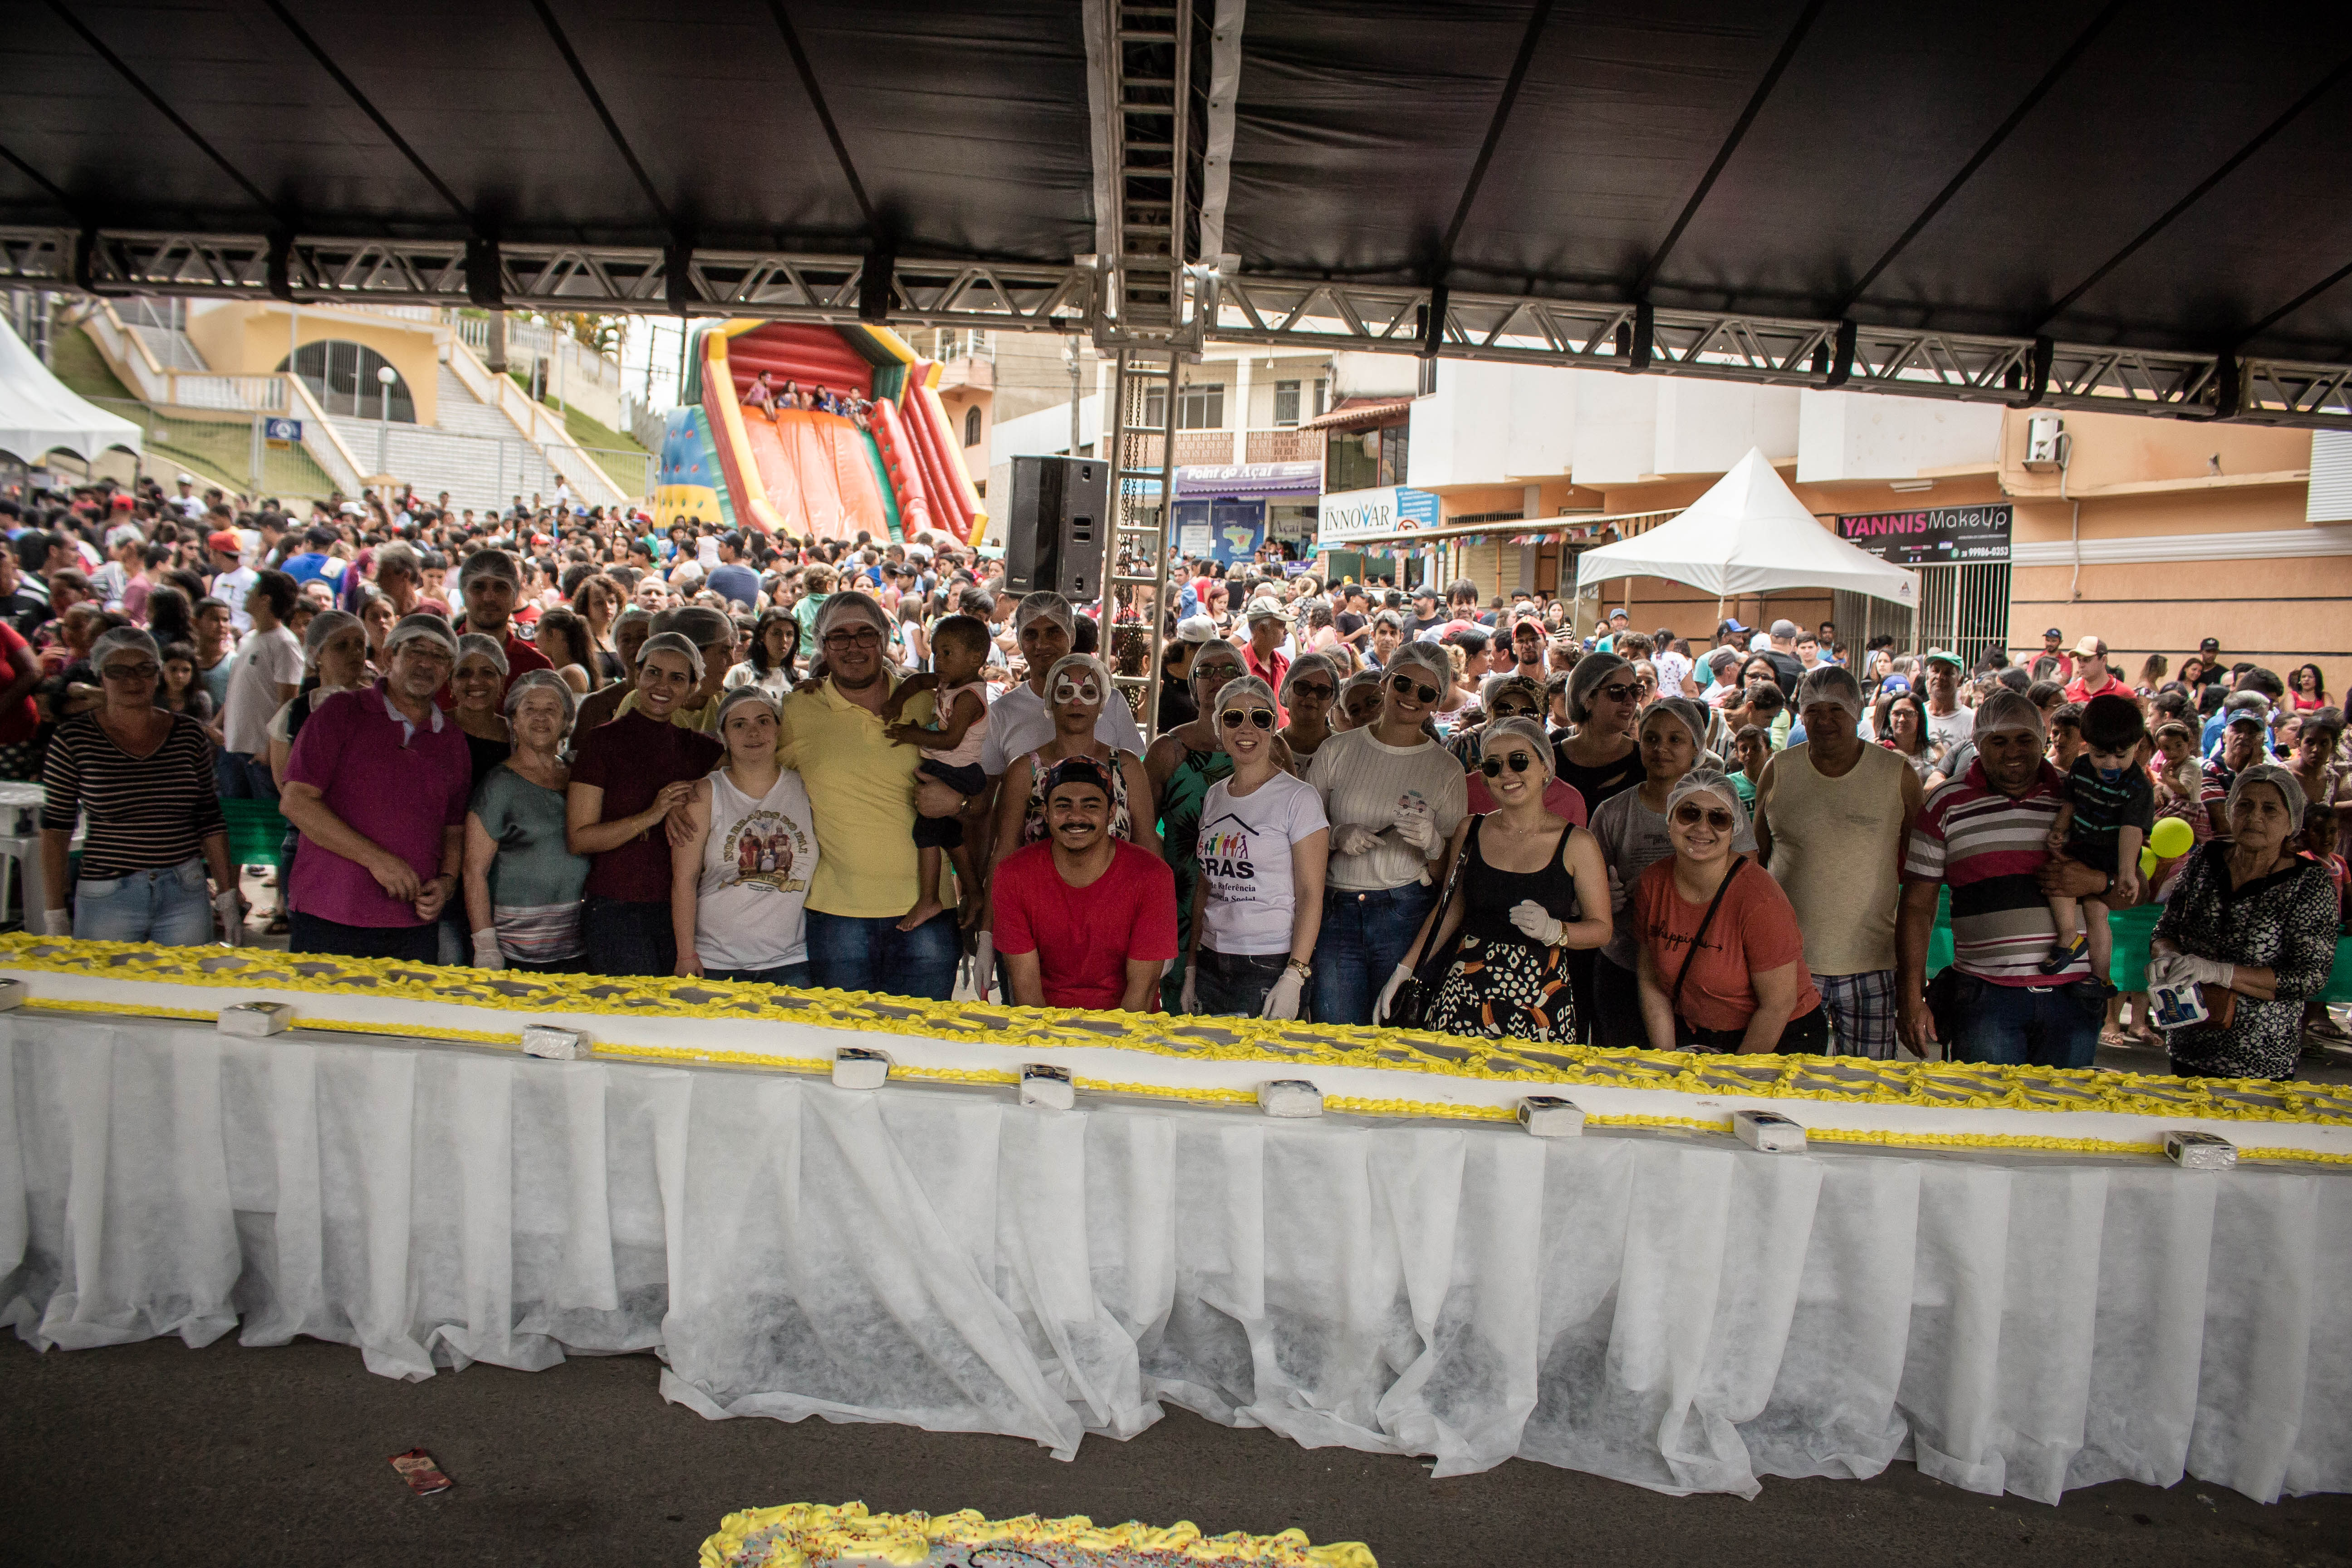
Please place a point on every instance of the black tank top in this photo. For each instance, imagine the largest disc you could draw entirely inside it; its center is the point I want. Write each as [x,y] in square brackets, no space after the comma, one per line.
[1488,894]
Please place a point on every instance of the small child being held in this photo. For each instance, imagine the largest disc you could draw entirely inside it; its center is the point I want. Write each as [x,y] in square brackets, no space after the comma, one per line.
[960,645]
[2107,808]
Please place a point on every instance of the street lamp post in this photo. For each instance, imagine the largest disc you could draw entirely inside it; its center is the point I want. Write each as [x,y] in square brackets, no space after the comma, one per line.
[384,376]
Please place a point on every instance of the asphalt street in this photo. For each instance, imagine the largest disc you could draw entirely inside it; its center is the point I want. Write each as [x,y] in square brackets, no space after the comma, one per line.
[154,1453]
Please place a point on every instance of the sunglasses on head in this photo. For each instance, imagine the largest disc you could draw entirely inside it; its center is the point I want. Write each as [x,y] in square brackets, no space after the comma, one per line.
[1234,718]
[1690,814]
[1406,686]
[1517,762]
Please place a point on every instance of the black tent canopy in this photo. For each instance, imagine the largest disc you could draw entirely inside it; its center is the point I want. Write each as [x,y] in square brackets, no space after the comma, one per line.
[2092,203]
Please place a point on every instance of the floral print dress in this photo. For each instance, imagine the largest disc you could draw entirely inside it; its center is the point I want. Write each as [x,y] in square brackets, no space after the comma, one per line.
[2287,921]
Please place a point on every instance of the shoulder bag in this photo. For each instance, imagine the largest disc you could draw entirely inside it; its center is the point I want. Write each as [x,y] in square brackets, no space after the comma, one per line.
[1687,1034]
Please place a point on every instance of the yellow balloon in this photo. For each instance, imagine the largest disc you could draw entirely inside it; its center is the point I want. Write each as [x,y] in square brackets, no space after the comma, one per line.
[2146,861]
[2171,838]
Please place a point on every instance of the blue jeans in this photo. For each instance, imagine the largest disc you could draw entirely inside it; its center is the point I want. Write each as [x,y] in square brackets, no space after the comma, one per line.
[168,907]
[1364,938]
[784,975]
[240,775]
[627,938]
[1233,985]
[869,953]
[2040,1025]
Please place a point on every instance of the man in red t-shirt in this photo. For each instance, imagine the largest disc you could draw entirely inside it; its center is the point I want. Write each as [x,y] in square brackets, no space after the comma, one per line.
[1084,920]
[488,583]
[2092,676]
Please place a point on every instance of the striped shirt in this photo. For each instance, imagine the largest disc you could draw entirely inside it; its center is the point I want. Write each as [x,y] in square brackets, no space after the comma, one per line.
[1988,847]
[145,813]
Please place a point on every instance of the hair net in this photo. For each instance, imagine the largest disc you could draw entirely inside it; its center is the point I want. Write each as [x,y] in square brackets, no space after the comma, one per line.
[323,626]
[705,627]
[2290,790]
[750,691]
[1246,693]
[1531,731]
[1306,662]
[1079,666]
[1831,683]
[1591,672]
[488,647]
[1690,715]
[531,680]
[1708,781]
[1047,604]
[2007,709]
[1212,653]
[132,637]
[672,642]
[1424,655]
[488,564]
[848,605]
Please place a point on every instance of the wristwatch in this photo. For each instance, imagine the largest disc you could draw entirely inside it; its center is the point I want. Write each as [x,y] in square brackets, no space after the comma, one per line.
[1303,970]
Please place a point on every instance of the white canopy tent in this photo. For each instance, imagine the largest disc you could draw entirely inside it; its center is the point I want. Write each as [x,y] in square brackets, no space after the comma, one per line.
[39,414]
[1748,536]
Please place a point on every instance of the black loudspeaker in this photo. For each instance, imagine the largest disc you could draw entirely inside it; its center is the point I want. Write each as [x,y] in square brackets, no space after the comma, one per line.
[1053,532]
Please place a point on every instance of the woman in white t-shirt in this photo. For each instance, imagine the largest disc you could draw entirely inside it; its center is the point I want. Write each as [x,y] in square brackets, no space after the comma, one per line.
[1263,842]
[739,885]
[1393,797]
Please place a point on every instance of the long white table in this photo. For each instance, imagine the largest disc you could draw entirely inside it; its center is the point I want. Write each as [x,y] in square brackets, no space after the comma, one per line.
[1667,1308]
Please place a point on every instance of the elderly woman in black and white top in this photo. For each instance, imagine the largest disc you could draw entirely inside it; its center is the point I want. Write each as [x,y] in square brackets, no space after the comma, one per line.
[2252,915]
[143,776]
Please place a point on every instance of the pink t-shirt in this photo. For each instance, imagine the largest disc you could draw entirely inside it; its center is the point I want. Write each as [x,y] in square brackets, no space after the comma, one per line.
[397,791]
[965,753]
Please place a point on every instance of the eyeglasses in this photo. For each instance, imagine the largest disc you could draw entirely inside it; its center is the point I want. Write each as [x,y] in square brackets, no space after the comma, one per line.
[1406,686]
[1519,762]
[1690,815]
[1316,691]
[1234,718]
[141,671]
[862,636]
[1622,692]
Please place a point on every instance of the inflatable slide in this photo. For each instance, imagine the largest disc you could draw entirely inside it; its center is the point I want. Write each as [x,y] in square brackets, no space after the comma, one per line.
[890,471]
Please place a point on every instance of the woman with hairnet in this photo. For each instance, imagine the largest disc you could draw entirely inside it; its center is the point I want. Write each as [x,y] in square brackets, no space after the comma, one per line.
[1722,961]
[2251,922]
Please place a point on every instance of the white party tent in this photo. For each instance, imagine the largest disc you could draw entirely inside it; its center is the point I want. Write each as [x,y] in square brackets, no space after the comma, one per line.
[39,414]
[1748,536]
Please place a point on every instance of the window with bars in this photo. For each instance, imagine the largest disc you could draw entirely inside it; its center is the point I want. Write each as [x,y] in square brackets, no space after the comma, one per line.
[1322,387]
[1286,403]
[971,426]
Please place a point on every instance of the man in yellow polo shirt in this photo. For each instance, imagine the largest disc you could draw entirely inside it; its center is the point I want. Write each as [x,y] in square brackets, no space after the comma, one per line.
[865,793]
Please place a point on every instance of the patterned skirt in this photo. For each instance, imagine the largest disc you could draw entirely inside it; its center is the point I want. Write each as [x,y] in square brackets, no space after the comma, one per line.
[1505,988]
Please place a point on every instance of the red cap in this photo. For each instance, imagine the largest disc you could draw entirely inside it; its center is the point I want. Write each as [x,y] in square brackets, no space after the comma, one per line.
[225,539]
[121,503]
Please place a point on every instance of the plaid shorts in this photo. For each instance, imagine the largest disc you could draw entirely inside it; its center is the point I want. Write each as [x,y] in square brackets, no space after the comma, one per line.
[1862,1013]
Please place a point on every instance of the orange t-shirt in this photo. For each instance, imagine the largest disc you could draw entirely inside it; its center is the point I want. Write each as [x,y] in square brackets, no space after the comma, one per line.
[1755,929]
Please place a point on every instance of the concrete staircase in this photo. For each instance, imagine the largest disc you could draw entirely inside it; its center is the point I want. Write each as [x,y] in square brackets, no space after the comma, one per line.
[474,451]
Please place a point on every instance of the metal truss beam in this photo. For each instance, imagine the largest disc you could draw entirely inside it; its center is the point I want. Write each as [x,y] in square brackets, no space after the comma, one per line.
[1287,313]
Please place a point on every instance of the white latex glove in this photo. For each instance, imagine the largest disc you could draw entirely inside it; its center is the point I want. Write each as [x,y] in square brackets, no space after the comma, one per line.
[486,950]
[1388,993]
[983,964]
[2165,969]
[1418,828]
[231,911]
[1282,1001]
[1187,1000]
[2208,971]
[1353,839]
[57,922]
[1535,924]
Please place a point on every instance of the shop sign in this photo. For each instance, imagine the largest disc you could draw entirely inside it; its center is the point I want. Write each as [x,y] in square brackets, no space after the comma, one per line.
[1932,535]
[1381,513]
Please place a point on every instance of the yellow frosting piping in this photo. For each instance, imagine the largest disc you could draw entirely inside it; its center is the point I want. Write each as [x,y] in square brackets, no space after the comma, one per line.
[1284,1046]
[802,1533]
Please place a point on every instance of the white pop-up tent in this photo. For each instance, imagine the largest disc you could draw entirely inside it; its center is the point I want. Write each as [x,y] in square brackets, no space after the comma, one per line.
[1748,536]
[39,414]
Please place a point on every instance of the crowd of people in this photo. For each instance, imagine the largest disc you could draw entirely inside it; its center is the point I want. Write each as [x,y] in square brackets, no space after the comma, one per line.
[555,737]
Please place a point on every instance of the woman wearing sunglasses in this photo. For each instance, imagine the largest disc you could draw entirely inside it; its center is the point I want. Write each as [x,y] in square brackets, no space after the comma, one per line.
[1598,759]
[1393,797]
[1259,901]
[1512,697]
[1308,691]
[1722,961]
[1632,828]
[1181,766]
[1530,889]
[1076,687]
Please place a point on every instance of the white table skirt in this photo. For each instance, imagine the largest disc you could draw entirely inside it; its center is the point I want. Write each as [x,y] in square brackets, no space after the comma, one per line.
[1672,1310]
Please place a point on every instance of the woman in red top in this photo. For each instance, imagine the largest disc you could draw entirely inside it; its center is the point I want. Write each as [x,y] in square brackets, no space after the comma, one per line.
[2307,688]
[1723,963]
[19,719]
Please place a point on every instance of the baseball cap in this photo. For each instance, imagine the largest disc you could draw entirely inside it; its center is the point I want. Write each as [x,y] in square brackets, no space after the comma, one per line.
[1784,628]
[2211,645]
[1266,610]
[1944,656]
[121,503]
[1197,629]
[2251,717]
[225,539]
[1895,683]
[2088,646]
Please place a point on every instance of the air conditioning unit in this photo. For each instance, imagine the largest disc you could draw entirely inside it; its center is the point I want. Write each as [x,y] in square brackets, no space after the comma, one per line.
[2044,434]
